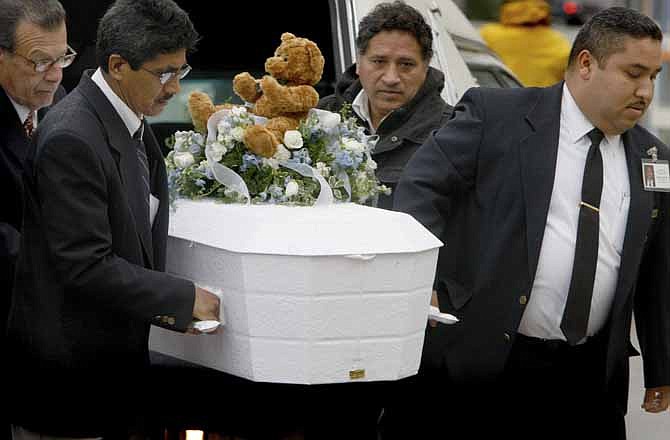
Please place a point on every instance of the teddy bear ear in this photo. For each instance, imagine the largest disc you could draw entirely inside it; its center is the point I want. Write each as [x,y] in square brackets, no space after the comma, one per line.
[316,61]
[287,36]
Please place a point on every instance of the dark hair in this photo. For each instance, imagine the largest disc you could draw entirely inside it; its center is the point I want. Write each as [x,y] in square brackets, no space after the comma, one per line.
[47,14]
[140,30]
[395,16]
[604,33]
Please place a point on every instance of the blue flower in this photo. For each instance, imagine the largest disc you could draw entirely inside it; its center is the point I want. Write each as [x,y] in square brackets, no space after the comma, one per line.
[301,156]
[200,183]
[195,149]
[249,160]
[344,159]
[275,191]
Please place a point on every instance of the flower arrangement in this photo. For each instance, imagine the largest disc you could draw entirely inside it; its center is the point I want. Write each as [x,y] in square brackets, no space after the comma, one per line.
[327,150]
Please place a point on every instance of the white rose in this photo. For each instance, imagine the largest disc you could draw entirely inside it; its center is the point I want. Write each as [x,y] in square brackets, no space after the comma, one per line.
[183,159]
[353,145]
[238,110]
[282,153]
[237,133]
[293,139]
[271,162]
[328,121]
[371,164]
[180,141]
[216,151]
[292,188]
[323,169]
[223,126]
[197,138]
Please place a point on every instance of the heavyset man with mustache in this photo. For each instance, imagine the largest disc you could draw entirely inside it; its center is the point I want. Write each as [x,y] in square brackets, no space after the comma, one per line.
[566,241]
[90,277]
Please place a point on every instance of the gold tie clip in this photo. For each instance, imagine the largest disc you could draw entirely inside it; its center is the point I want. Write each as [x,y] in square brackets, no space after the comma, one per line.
[589,206]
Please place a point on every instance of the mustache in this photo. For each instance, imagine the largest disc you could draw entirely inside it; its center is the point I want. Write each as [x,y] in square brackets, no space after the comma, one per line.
[639,104]
[166,97]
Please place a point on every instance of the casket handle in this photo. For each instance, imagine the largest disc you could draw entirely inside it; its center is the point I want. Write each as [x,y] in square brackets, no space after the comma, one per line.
[361,257]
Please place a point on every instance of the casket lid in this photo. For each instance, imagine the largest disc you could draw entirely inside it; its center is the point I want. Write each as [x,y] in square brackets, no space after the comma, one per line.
[338,229]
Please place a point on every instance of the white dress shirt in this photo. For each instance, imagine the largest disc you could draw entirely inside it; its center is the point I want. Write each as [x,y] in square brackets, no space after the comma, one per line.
[361,106]
[128,116]
[544,311]
[22,111]
[130,119]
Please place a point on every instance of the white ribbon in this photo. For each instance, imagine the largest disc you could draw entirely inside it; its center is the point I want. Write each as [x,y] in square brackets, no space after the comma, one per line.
[344,177]
[326,193]
[224,175]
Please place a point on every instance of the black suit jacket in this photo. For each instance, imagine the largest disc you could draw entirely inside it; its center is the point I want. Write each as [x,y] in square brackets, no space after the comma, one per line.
[497,158]
[14,147]
[90,277]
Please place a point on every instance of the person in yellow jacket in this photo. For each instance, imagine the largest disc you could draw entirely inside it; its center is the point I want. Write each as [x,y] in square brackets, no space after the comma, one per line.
[526,43]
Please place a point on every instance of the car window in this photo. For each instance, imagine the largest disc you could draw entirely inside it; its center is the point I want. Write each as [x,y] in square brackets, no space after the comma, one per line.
[493,77]
[485,78]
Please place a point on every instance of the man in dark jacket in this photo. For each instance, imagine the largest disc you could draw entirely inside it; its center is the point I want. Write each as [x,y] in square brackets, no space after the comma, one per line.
[392,89]
[395,94]
[569,242]
[90,277]
[33,53]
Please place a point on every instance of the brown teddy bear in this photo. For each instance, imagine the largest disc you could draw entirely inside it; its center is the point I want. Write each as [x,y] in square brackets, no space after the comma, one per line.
[201,107]
[285,96]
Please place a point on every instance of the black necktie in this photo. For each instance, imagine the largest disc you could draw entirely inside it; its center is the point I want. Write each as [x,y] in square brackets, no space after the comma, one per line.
[144,165]
[576,315]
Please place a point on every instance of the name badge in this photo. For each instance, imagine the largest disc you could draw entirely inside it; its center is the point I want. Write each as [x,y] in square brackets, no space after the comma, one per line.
[655,175]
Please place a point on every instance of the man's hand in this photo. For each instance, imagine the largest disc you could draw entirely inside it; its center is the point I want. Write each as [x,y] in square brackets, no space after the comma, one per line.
[436,303]
[656,399]
[207,305]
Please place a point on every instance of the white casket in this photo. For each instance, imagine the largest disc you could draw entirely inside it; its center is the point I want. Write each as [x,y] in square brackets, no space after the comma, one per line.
[310,295]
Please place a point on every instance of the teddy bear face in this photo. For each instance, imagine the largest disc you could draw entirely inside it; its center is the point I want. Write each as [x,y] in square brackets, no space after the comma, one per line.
[297,61]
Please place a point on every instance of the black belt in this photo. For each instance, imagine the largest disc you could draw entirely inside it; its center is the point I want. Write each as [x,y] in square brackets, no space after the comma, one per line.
[559,346]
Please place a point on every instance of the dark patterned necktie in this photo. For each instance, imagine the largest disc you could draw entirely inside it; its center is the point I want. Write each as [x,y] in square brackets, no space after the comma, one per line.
[576,315]
[144,165]
[29,125]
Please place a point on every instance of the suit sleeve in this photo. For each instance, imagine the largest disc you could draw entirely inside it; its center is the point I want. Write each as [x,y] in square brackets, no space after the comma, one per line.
[71,185]
[445,165]
[652,299]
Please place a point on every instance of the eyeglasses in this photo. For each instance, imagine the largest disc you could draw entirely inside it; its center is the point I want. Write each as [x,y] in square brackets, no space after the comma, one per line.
[166,77]
[42,66]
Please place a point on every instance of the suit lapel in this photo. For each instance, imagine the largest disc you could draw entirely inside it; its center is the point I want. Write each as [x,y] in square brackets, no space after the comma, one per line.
[159,190]
[639,218]
[124,145]
[538,151]
[16,144]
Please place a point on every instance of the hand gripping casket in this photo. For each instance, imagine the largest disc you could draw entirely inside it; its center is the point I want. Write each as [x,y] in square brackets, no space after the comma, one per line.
[310,295]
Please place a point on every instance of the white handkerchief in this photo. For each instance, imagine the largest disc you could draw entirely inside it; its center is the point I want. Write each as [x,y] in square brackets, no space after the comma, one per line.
[206,326]
[154,203]
[445,318]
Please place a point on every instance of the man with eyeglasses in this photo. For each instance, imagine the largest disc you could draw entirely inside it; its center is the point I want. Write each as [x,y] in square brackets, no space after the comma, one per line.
[33,44]
[90,280]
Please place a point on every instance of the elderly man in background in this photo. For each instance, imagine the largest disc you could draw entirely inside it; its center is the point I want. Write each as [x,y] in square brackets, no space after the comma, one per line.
[33,52]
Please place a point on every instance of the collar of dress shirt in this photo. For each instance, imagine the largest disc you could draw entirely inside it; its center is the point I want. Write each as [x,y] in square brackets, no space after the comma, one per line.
[576,122]
[361,106]
[128,116]
[22,111]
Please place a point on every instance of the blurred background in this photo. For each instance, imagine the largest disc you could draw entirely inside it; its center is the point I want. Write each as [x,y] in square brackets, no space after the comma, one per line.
[569,15]
[230,46]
